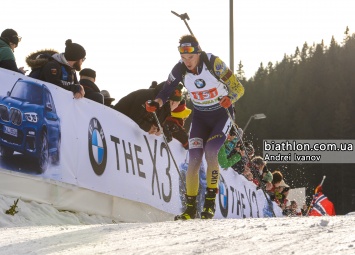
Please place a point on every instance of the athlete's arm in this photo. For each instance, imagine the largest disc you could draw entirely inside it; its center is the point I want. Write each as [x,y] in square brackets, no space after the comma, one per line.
[175,77]
[236,89]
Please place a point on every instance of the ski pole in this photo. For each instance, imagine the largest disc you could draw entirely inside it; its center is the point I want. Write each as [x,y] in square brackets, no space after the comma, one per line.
[167,146]
[310,205]
[184,17]
[235,126]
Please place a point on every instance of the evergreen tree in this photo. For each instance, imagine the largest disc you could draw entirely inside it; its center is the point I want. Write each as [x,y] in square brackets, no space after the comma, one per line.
[307,95]
[304,52]
[240,72]
[346,35]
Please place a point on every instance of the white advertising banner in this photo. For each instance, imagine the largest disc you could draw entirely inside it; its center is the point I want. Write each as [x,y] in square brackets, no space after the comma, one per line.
[45,131]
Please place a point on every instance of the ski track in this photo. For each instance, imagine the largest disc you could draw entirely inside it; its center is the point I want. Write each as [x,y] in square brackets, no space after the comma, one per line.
[331,235]
[41,229]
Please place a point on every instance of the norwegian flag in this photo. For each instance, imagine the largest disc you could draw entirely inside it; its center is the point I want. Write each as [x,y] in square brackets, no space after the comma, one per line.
[321,206]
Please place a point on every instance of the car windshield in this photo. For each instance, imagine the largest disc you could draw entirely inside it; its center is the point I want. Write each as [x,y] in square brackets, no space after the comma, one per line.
[28,92]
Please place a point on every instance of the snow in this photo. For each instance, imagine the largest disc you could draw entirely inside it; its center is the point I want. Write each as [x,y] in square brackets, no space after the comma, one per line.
[42,229]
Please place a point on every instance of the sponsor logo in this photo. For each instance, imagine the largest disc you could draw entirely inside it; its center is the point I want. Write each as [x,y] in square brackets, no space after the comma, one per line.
[54,71]
[215,137]
[223,196]
[97,147]
[171,78]
[195,143]
[214,178]
[204,95]
[199,83]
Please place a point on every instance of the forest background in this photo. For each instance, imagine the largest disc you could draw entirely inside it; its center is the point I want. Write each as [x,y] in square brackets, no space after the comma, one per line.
[308,95]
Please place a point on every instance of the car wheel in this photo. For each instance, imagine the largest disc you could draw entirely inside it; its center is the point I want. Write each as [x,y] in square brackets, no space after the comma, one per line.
[56,156]
[6,152]
[44,154]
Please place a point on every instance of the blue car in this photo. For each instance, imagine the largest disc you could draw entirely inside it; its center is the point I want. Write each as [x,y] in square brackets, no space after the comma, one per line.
[29,124]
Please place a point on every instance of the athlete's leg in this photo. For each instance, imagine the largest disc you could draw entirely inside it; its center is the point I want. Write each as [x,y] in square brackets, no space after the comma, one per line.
[196,148]
[216,139]
[213,144]
[198,136]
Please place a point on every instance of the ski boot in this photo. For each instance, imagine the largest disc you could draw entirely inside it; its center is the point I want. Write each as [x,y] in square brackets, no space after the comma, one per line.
[190,211]
[210,205]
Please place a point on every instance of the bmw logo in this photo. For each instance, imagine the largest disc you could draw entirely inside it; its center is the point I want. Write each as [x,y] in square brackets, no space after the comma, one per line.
[223,196]
[199,83]
[97,147]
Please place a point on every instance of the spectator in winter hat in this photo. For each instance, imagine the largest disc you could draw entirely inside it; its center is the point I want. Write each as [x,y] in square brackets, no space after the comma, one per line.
[9,40]
[60,69]
[153,85]
[107,98]
[283,184]
[280,193]
[87,80]
[174,124]
[258,167]
[132,106]
[278,185]
[181,112]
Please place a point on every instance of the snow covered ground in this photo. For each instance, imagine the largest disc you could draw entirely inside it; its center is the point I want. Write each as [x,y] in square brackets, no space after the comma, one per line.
[41,229]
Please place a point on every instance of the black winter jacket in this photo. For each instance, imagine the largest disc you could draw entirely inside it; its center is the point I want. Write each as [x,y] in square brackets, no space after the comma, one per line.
[92,92]
[133,106]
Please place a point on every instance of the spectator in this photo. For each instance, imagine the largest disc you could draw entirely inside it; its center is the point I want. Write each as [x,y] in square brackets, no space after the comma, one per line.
[174,124]
[132,106]
[37,60]
[277,177]
[285,191]
[304,210]
[60,68]
[247,155]
[87,80]
[281,195]
[261,173]
[248,175]
[107,98]
[293,210]
[277,186]
[227,156]
[153,85]
[321,205]
[9,40]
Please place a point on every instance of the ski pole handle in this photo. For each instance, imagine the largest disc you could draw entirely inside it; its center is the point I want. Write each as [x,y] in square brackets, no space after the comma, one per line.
[151,106]
[184,17]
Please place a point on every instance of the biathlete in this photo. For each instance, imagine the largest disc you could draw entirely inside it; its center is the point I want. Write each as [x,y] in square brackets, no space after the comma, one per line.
[213,88]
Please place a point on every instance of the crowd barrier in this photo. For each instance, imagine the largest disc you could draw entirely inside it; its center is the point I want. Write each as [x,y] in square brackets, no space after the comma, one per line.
[79,155]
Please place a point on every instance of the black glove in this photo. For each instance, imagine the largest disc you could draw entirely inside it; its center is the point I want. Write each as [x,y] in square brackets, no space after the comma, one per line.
[75,88]
[172,127]
[167,132]
[168,135]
